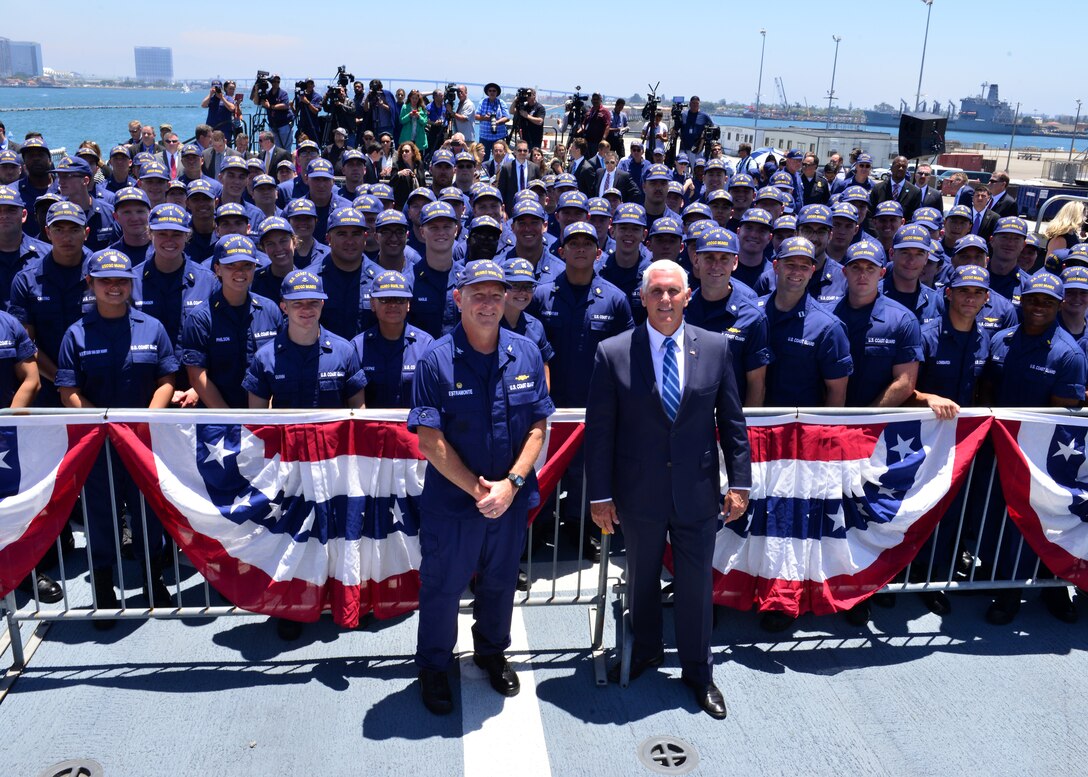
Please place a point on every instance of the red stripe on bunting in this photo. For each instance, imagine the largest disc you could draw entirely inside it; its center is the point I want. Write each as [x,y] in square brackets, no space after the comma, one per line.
[322,441]
[247,586]
[742,591]
[1016,485]
[564,441]
[18,558]
[813,442]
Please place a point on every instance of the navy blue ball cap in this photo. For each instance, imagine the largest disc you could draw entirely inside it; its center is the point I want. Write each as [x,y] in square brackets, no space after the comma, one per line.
[529,208]
[437,210]
[971,275]
[481,271]
[866,250]
[520,271]
[274,224]
[390,284]
[9,195]
[797,246]
[300,206]
[302,284]
[65,211]
[345,217]
[235,248]
[579,229]
[110,263]
[169,217]
[717,241]
[391,217]
[1044,283]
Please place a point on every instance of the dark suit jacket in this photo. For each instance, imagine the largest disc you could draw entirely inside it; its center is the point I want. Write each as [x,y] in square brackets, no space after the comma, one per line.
[13,146]
[989,223]
[1006,206]
[910,196]
[586,175]
[816,191]
[652,467]
[209,156]
[508,181]
[964,196]
[621,180]
[136,148]
[278,155]
[932,198]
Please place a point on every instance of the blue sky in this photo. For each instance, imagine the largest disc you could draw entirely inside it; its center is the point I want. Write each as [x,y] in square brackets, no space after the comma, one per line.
[709,48]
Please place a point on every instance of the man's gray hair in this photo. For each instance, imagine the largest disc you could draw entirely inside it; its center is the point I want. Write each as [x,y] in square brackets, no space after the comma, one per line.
[663,265]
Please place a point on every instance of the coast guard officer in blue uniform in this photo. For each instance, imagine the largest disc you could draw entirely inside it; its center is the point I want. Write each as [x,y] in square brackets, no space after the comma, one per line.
[220,337]
[17,248]
[390,350]
[718,305]
[479,407]
[812,361]
[116,356]
[48,295]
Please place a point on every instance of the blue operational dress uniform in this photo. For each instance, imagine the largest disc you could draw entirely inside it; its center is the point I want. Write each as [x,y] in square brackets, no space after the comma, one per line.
[390,365]
[576,319]
[325,374]
[15,346]
[924,302]
[952,361]
[743,323]
[432,309]
[347,311]
[882,335]
[809,346]
[171,297]
[484,405]
[116,362]
[224,339]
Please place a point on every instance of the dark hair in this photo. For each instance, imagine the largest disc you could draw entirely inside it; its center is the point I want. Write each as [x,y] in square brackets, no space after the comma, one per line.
[373,148]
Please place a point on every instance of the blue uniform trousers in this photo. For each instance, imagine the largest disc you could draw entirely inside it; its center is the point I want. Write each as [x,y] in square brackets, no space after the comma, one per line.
[453,549]
[103,522]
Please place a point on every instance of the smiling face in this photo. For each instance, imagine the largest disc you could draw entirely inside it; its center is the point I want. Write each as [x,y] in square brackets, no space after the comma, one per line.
[111,295]
[665,296]
[481,305]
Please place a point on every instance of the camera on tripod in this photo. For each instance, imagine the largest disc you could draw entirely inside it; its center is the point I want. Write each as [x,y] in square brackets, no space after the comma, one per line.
[261,85]
[343,77]
[450,95]
[711,133]
[649,110]
[576,104]
[677,109]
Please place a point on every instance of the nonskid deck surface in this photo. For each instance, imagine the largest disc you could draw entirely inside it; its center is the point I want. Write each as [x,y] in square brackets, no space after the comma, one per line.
[909,695]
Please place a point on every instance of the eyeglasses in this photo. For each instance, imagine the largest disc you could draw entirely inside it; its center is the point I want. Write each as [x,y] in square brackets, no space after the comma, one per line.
[922,175]
[175,140]
[405,151]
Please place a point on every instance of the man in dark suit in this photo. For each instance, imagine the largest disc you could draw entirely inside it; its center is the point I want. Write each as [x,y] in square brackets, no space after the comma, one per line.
[983,219]
[214,156]
[611,177]
[897,188]
[6,143]
[927,184]
[268,152]
[581,168]
[657,396]
[516,176]
[147,142]
[1001,203]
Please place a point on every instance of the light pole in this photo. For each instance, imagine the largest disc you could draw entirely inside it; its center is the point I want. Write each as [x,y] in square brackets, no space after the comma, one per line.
[921,67]
[759,86]
[834,67]
[1074,138]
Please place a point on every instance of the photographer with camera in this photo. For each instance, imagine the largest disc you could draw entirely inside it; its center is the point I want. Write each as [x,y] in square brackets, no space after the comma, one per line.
[223,107]
[378,109]
[493,117]
[597,121]
[691,126]
[268,94]
[617,128]
[307,107]
[529,117]
[437,121]
[463,115]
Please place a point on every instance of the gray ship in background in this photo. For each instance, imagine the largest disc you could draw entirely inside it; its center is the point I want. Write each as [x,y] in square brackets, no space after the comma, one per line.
[986,112]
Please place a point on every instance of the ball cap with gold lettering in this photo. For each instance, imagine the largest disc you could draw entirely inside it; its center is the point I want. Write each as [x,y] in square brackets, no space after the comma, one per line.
[716,241]
[302,284]
[1044,283]
[390,284]
[110,263]
[235,248]
[481,271]
[168,216]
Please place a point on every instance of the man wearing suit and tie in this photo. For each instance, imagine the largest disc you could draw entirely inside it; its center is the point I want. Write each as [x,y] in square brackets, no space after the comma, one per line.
[927,185]
[216,153]
[609,176]
[1001,203]
[515,176]
[268,152]
[581,168]
[897,188]
[657,396]
[983,219]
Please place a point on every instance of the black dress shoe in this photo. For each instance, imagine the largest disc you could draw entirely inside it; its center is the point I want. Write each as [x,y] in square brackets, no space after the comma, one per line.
[49,591]
[775,621]
[708,697]
[1057,603]
[936,602]
[434,688]
[638,666]
[288,630]
[105,596]
[591,550]
[1004,607]
[858,615]
[523,580]
[502,676]
[157,593]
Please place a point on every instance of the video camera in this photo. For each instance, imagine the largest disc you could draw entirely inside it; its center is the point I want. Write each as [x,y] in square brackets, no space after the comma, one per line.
[711,133]
[577,103]
[450,95]
[343,77]
[649,110]
[300,88]
[261,85]
[677,109]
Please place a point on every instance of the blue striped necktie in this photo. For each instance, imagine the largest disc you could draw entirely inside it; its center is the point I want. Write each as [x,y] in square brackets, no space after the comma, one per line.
[670,379]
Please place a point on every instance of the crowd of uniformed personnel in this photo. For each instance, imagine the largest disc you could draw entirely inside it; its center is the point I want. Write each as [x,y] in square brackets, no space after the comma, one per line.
[193,276]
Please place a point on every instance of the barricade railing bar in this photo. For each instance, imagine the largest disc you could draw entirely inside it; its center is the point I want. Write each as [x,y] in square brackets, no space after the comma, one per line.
[569,578]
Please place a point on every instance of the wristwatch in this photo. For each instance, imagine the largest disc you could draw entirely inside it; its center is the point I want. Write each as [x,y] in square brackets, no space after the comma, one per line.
[517,480]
